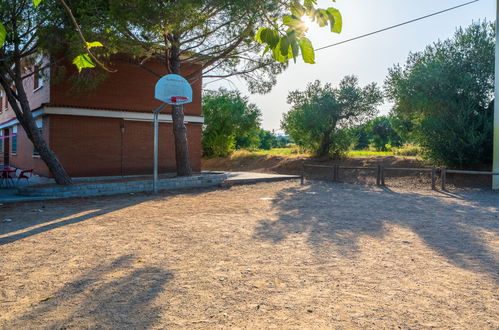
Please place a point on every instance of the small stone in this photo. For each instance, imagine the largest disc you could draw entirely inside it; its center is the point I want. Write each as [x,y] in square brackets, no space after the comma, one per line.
[7,220]
[310,310]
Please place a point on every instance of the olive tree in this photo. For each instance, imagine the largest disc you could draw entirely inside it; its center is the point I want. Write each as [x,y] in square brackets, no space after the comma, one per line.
[320,114]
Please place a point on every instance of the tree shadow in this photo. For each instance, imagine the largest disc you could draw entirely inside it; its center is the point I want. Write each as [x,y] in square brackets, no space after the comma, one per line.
[116,295]
[338,215]
[53,214]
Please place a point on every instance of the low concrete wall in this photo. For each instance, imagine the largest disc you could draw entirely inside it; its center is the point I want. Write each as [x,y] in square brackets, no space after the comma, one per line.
[121,187]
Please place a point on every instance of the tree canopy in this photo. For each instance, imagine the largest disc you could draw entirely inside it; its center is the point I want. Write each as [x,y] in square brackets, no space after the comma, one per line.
[229,117]
[445,93]
[320,114]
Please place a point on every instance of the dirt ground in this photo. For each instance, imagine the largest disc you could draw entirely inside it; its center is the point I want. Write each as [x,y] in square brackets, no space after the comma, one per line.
[270,255]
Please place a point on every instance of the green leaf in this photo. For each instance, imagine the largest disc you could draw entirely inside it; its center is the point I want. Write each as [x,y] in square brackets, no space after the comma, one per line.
[309,4]
[36,2]
[291,20]
[94,44]
[284,46]
[307,50]
[322,17]
[83,61]
[3,34]
[297,9]
[295,50]
[276,54]
[258,35]
[267,36]
[335,20]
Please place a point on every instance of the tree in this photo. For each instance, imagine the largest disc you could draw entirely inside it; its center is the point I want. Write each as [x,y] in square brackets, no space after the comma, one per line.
[224,37]
[228,116]
[267,140]
[320,114]
[21,28]
[382,133]
[18,48]
[445,92]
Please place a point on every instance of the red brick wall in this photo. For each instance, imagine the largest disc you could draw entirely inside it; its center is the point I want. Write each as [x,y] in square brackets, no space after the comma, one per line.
[92,146]
[24,158]
[130,88]
[36,98]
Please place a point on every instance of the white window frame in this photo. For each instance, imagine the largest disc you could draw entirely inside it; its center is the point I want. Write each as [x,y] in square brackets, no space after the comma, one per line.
[39,75]
[14,131]
[39,125]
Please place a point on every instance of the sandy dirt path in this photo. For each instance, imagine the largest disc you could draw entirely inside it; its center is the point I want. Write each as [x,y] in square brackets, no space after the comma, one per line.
[270,255]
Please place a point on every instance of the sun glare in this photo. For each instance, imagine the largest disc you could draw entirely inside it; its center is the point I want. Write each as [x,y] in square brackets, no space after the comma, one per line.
[307,22]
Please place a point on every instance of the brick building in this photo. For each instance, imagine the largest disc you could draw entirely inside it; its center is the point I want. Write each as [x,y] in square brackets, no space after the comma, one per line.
[107,131]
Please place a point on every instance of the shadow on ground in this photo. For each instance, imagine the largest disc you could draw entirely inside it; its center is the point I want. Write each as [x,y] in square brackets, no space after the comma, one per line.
[59,213]
[116,295]
[449,224]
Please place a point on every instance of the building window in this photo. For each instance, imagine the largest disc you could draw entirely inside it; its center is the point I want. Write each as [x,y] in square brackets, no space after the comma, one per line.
[39,123]
[37,77]
[14,140]
[1,101]
[35,151]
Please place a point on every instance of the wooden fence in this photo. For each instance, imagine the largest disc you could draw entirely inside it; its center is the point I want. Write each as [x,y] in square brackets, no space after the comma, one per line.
[380,170]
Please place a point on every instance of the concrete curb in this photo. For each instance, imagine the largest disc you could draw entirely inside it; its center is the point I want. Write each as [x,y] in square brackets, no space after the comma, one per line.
[113,188]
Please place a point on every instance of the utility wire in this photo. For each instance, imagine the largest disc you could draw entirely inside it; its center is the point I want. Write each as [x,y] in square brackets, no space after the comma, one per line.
[397,25]
[384,29]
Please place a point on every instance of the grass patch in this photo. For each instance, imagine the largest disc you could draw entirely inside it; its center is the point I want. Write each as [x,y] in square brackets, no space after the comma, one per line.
[294,152]
[354,153]
[277,152]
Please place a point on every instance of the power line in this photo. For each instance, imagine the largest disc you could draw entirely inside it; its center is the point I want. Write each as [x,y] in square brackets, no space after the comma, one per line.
[397,25]
[383,30]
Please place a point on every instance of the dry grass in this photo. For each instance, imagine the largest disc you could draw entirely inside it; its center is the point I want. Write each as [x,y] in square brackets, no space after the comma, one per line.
[268,255]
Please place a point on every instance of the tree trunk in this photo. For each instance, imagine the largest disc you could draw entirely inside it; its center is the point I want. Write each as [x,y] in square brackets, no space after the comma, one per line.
[182,159]
[47,155]
[27,121]
[325,144]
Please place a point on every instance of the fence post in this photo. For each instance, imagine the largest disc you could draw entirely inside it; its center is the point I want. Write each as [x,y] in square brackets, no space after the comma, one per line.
[443,176]
[333,176]
[378,175]
[433,177]
[337,172]
[302,174]
[382,174]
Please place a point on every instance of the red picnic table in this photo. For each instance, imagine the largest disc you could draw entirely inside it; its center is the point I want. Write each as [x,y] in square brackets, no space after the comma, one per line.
[7,176]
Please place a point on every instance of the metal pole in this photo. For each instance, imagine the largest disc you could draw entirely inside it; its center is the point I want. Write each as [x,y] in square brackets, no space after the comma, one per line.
[156,129]
[495,163]
[155,179]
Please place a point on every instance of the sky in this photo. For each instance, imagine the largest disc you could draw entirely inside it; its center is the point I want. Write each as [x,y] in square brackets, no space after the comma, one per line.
[368,58]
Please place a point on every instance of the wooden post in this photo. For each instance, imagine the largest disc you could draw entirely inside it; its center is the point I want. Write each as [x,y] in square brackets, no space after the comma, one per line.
[382,174]
[443,176]
[433,178]
[333,174]
[378,175]
[302,176]
[337,172]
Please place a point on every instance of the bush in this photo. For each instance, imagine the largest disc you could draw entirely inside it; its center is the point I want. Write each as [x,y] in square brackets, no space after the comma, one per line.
[407,149]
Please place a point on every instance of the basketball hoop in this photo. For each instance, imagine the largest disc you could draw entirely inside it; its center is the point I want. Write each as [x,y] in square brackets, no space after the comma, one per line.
[170,89]
[173,89]
[179,100]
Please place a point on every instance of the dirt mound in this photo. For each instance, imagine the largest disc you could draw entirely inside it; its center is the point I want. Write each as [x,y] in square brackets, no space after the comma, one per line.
[280,164]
